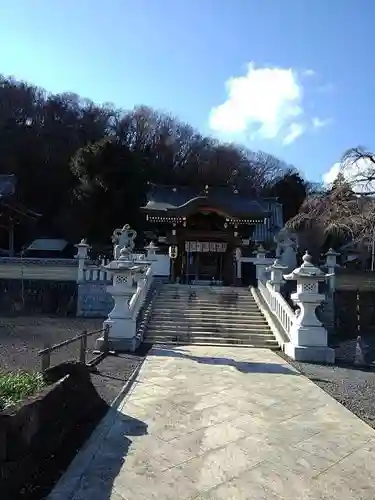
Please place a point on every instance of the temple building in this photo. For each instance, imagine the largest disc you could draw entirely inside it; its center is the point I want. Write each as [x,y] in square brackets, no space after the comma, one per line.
[208,228]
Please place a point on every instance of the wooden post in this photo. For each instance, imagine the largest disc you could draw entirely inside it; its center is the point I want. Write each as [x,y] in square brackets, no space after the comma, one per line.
[105,339]
[11,237]
[83,347]
[46,357]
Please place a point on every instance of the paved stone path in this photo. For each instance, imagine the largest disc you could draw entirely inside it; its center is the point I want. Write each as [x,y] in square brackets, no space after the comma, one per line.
[224,424]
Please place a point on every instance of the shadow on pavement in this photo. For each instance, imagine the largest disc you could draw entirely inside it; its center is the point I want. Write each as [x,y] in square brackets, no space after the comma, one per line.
[241,366]
[99,466]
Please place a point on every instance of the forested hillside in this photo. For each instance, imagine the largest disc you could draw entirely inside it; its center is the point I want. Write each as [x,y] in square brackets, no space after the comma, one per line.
[85,167]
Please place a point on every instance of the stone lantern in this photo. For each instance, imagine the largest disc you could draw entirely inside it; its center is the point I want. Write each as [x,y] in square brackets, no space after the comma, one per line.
[82,255]
[308,337]
[261,252]
[261,262]
[122,333]
[277,270]
[151,251]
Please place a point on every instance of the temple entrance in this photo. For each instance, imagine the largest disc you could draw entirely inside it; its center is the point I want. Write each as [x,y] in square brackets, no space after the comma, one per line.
[206,267]
[204,262]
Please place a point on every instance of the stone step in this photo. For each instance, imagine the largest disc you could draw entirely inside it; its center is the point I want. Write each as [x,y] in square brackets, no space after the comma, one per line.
[205,289]
[253,335]
[207,300]
[197,295]
[212,341]
[186,317]
[162,323]
[191,302]
[196,303]
[152,330]
[214,312]
[210,316]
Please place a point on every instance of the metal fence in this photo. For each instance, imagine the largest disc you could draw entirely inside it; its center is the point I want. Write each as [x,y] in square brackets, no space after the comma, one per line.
[81,339]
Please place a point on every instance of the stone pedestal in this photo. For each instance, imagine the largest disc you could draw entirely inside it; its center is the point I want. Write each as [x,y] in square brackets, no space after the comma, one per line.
[308,337]
[122,333]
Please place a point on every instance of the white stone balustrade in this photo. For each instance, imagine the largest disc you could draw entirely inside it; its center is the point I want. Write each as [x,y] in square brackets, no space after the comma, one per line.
[308,337]
[143,286]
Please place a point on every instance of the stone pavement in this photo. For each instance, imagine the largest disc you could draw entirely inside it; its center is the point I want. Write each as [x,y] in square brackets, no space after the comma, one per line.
[212,423]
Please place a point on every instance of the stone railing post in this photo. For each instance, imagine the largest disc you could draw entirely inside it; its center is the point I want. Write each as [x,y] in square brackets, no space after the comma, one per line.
[82,255]
[238,258]
[331,265]
[308,337]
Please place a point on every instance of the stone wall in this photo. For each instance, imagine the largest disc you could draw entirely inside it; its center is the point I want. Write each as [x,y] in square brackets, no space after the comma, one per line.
[38,269]
[34,433]
[93,300]
[352,279]
[33,296]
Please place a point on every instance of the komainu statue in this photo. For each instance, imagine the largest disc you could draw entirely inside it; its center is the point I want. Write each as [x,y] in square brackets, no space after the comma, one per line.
[286,250]
[123,241]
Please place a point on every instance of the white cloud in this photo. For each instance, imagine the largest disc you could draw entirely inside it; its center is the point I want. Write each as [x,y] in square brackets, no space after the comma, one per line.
[320,123]
[308,72]
[331,175]
[265,102]
[294,131]
[353,172]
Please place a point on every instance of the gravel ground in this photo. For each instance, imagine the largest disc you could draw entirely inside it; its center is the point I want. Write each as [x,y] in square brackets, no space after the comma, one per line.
[114,371]
[22,337]
[353,387]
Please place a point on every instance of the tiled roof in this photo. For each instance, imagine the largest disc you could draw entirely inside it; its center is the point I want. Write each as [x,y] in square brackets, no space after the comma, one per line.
[169,198]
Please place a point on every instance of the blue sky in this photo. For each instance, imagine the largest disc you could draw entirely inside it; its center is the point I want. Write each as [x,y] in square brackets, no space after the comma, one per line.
[295,78]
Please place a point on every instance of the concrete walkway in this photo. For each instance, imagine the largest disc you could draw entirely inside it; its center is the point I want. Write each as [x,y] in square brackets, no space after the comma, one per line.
[231,424]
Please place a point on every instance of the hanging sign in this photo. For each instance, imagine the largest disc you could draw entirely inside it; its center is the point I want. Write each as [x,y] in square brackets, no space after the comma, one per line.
[205,246]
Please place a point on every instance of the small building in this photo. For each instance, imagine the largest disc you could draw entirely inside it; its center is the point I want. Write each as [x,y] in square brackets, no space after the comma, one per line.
[52,248]
[12,213]
[209,227]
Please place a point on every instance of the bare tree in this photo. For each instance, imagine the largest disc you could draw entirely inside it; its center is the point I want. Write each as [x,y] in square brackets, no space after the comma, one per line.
[347,210]
[358,167]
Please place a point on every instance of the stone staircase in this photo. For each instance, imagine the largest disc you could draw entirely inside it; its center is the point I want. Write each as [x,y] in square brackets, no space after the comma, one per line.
[209,315]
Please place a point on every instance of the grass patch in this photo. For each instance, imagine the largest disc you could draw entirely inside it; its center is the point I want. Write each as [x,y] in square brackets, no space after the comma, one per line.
[16,386]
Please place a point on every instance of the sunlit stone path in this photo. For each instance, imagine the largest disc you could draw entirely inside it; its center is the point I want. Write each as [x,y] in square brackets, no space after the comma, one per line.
[210,423]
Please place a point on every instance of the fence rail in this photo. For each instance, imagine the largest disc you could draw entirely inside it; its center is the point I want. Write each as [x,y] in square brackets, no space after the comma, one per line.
[278,306]
[46,352]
